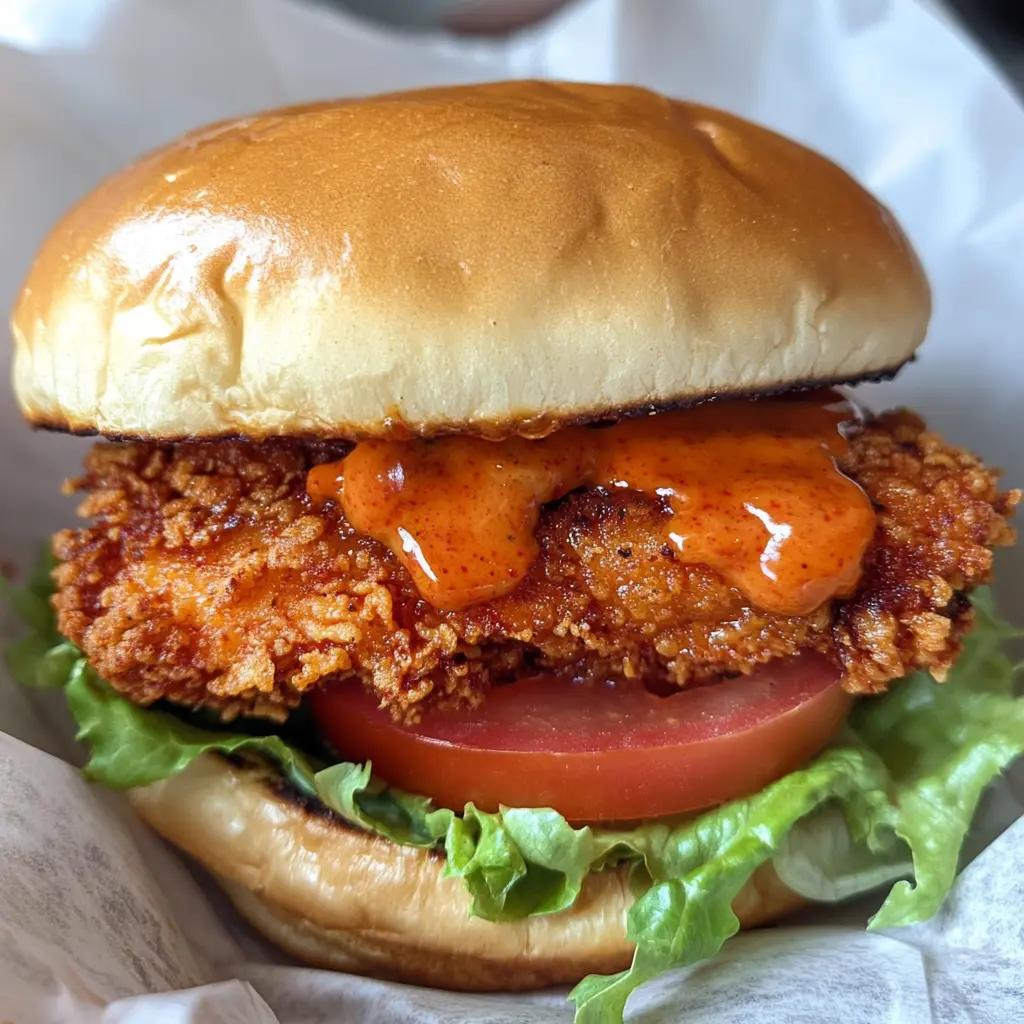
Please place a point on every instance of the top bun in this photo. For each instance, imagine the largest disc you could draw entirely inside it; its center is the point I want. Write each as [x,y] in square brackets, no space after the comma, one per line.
[493,259]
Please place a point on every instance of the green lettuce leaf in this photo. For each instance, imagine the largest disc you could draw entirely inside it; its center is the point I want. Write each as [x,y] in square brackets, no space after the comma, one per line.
[942,744]
[891,800]
[355,794]
[132,746]
[821,859]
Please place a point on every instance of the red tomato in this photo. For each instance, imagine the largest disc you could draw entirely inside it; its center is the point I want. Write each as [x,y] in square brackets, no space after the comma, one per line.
[599,751]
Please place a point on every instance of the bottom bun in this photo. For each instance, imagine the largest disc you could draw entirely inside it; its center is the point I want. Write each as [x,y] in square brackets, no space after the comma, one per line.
[335,896]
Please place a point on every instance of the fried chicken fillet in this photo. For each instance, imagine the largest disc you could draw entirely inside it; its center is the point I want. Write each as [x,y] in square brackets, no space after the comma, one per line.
[210,578]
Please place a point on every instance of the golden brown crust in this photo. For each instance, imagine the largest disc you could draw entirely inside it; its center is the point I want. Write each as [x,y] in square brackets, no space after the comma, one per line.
[210,578]
[377,266]
[340,898]
[940,514]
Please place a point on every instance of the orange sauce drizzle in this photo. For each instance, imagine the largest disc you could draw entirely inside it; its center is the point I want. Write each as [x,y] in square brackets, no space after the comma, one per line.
[751,490]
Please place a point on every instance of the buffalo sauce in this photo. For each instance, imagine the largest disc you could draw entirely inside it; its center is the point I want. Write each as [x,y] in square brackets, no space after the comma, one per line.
[751,489]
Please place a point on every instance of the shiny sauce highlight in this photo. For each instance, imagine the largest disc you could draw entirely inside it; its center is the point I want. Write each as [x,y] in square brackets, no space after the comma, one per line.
[751,489]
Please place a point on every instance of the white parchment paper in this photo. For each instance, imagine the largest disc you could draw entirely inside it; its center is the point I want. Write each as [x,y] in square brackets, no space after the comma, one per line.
[99,921]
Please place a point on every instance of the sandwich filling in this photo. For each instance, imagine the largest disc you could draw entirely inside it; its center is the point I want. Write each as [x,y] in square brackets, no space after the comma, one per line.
[676,549]
[634,645]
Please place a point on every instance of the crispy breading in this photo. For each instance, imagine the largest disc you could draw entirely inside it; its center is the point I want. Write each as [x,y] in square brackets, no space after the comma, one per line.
[210,578]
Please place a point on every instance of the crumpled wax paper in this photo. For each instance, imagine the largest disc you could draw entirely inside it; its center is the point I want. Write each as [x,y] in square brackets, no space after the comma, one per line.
[99,921]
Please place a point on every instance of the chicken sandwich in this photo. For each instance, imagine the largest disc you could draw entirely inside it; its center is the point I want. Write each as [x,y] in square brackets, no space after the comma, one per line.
[485,574]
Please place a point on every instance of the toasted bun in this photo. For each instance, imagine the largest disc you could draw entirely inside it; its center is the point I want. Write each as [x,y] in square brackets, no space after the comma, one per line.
[494,259]
[340,898]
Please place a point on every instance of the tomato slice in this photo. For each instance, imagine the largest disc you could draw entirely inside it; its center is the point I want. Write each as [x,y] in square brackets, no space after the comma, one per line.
[599,751]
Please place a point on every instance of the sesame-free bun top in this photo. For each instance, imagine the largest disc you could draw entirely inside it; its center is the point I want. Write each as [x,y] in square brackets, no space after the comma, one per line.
[493,258]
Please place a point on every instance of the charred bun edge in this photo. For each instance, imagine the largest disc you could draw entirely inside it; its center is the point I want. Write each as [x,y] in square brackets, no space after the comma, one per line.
[393,428]
[337,897]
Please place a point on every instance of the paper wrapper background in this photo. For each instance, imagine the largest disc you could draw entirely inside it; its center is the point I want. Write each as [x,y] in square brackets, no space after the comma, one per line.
[98,920]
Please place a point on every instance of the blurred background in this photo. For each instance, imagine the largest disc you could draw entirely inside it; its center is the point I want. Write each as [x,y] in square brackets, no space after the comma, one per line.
[997,24]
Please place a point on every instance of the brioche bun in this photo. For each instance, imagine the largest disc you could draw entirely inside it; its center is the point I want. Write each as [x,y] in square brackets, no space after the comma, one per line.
[494,259]
[341,898]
